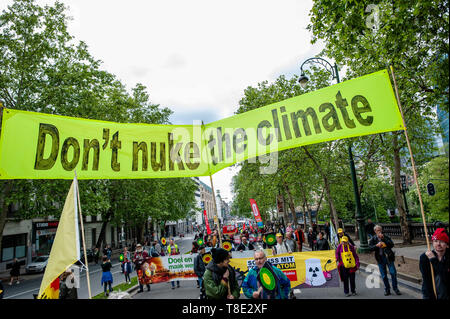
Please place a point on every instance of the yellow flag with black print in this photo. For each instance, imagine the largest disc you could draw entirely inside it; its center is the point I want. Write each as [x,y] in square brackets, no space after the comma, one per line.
[66,246]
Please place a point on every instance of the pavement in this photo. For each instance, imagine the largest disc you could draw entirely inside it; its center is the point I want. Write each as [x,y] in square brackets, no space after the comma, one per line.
[411,284]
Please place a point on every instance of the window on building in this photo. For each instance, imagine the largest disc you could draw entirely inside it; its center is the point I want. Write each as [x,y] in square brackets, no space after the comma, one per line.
[13,246]
[94,218]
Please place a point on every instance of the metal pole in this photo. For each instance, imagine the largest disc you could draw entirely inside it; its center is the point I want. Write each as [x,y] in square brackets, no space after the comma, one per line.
[363,245]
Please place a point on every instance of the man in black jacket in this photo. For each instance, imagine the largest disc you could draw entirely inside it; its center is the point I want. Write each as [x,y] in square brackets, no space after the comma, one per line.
[322,243]
[199,265]
[439,258]
[382,246]
[245,245]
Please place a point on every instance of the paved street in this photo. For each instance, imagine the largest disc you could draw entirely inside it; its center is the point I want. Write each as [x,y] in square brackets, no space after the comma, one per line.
[188,288]
[28,287]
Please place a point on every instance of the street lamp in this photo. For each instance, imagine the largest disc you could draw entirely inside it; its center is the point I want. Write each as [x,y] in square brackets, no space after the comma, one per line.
[303,80]
[404,190]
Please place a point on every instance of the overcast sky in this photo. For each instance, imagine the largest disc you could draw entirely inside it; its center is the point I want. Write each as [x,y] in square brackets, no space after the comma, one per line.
[195,56]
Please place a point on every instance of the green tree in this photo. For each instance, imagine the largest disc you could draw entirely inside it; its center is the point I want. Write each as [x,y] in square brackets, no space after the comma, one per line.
[413,37]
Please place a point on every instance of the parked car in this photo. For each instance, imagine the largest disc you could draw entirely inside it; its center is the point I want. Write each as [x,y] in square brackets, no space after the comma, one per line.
[89,254]
[37,265]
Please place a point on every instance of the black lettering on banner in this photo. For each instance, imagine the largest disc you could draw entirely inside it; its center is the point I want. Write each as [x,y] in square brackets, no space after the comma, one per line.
[287,129]
[211,143]
[188,155]
[220,139]
[303,115]
[261,139]
[174,154]
[115,146]
[276,124]
[358,110]
[42,163]
[162,157]
[141,147]
[94,144]
[105,137]
[330,115]
[342,105]
[238,140]
[70,141]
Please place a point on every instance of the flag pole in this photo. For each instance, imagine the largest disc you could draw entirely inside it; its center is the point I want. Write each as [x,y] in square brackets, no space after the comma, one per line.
[415,176]
[82,236]
[214,194]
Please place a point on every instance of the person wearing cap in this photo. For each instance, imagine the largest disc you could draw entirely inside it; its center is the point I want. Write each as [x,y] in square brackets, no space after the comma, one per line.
[281,247]
[348,263]
[199,265]
[382,245]
[439,259]
[341,234]
[220,279]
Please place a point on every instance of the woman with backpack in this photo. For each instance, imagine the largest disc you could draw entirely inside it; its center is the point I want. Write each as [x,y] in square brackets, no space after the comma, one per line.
[348,263]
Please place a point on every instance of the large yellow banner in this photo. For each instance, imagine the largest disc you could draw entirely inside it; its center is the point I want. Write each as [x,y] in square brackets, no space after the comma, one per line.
[43,146]
[316,269]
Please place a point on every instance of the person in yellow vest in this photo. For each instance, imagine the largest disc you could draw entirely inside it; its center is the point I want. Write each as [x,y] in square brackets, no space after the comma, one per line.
[172,249]
[348,263]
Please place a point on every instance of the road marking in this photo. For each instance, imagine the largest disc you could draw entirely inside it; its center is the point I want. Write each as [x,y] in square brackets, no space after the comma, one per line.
[22,293]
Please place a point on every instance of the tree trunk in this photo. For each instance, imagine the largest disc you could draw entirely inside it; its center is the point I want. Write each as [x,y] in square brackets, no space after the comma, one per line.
[291,203]
[305,200]
[398,193]
[327,188]
[102,237]
[4,207]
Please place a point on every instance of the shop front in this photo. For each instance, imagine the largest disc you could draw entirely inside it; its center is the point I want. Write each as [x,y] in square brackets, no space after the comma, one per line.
[43,237]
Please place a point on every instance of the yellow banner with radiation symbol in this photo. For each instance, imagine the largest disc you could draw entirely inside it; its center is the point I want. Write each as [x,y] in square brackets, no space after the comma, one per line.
[316,269]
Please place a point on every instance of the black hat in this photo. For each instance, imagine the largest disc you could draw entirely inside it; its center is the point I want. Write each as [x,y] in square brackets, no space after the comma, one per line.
[219,255]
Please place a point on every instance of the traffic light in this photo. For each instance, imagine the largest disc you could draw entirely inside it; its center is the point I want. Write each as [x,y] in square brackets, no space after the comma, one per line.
[430,189]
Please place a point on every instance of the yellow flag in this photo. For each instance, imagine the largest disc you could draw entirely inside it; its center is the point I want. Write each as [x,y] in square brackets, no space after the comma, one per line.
[66,246]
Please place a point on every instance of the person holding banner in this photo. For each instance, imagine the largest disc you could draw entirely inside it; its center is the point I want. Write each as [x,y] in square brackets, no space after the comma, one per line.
[245,245]
[220,279]
[348,263]
[439,259]
[299,237]
[252,287]
[172,249]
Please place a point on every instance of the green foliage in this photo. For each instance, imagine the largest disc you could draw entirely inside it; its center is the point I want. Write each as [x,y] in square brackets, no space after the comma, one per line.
[436,207]
[43,69]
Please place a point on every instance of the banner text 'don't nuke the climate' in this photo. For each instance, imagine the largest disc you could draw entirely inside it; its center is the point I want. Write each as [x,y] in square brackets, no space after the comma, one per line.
[43,146]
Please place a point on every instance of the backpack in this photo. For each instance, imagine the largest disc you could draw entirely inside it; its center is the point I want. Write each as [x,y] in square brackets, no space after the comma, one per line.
[347,258]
